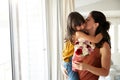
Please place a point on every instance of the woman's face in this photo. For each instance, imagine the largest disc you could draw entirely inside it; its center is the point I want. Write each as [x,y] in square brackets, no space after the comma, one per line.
[89,23]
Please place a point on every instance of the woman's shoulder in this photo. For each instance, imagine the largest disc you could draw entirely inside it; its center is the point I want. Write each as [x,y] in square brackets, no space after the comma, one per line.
[105,49]
[105,45]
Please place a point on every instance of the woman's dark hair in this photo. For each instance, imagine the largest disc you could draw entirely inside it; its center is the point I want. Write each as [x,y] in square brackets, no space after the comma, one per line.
[74,19]
[103,27]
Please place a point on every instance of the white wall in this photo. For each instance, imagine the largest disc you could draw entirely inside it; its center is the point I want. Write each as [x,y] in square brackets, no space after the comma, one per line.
[102,5]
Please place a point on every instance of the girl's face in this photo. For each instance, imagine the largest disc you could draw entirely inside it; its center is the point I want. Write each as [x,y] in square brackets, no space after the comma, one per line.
[90,23]
[81,27]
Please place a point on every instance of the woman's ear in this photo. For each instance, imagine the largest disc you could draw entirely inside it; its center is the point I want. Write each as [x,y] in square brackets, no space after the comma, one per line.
[96,24]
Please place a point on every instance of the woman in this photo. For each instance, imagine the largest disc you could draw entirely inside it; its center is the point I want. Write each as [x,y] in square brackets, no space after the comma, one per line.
[98,62]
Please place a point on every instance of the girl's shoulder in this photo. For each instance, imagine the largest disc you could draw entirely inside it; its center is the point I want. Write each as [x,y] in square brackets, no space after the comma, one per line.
[67,42]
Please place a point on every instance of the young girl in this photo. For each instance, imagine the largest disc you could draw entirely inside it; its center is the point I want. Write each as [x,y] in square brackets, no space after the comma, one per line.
[75,23]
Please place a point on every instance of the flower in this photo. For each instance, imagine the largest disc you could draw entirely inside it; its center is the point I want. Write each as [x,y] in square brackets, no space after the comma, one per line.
[78,52]
[81,49]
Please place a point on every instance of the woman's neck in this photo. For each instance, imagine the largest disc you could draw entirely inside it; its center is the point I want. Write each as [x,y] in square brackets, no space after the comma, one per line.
[91,32]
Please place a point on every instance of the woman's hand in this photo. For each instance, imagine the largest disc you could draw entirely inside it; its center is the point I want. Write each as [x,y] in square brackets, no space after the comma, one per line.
[64,71]
[79,65]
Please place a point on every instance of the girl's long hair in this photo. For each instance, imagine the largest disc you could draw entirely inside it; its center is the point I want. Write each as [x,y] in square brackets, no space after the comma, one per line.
[74,19]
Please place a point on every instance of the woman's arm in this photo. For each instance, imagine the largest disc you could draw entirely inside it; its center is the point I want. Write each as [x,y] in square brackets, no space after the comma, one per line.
[105,62]
[94,39]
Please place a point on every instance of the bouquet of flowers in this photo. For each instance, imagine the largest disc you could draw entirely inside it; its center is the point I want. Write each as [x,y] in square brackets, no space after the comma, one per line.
[82,48]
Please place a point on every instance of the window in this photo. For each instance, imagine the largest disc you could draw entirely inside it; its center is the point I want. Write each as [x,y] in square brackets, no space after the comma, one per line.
[114,34]
[32,35]
[119,38]
[111,32]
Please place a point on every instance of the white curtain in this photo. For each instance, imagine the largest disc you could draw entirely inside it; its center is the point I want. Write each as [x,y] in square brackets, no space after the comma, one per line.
[38,29]
[28,30]
[67,7]
[57,13]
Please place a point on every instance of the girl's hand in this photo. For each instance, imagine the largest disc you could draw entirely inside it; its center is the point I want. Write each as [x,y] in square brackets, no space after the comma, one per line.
[64,71]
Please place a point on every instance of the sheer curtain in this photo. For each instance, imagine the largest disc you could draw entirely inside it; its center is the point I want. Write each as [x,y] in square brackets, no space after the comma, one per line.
[5,49]
[32,33]
[29,40]
[38,29]
[57,12]
[67,7]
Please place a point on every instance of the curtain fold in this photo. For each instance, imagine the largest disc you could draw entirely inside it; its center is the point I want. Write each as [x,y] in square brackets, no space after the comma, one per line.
[68,6]
[28,40]
[65,7]
[38,37]
[56,12]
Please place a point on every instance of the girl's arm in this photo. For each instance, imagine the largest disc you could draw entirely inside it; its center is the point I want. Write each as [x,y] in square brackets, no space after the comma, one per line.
[94,39]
